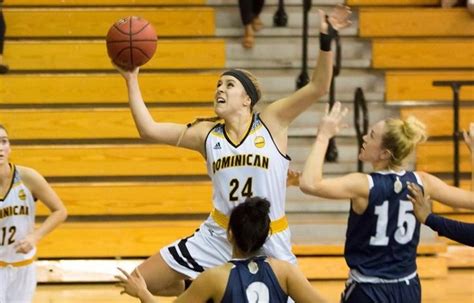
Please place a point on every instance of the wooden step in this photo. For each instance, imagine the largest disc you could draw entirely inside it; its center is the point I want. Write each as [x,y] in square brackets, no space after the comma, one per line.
[48,55]
[336,249]
[316,268]
[423,53]
[89,123]
[439,120]
[138,198]
[459,256]
[110,160]
[8,3]
[437,157]
[106,88]
[391,2]
[113,239]
[95,22]
[418,85]
[143,238]
[415,22]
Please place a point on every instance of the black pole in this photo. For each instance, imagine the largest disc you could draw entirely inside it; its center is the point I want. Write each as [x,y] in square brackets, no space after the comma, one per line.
[455,87]
[280,19]
[361,130]
[332,153]
[303,78]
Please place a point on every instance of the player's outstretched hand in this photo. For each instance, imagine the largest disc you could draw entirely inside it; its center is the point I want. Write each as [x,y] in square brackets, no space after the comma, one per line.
[293,178]
[338,17]
[332,122]
[134,285]
[421,204]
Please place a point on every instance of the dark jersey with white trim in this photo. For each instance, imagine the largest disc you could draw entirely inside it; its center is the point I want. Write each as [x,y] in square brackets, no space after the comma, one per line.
[253,281]
[382,241]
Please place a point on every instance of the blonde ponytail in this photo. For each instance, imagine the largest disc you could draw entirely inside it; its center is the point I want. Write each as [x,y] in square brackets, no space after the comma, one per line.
[401,137]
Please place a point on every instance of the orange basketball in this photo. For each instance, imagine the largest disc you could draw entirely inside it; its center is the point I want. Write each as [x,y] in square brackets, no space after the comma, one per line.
[131,42]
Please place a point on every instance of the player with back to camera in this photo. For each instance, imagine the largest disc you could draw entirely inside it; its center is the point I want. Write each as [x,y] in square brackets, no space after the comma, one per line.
[246,156]
[20,187]
[382,233]
[249,276]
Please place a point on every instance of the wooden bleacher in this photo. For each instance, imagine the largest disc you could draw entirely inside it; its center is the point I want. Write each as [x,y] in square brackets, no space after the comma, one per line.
[401,86]
[439,120]
[90,55]
[110,160]
[426,53]
[99,123]
[73,3]
[415,22]
[437,157]
[150,198]
[95,22]
[100,88]
[363,3]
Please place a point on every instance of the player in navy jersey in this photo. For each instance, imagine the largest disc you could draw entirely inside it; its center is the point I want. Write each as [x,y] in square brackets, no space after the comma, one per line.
[249,277]
[382,233]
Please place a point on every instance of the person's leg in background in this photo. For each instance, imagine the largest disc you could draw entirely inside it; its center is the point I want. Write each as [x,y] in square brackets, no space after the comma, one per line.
[3,66]
[249,13]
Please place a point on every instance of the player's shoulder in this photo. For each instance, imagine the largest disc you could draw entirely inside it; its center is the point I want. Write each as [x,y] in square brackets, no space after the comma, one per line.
[29,175]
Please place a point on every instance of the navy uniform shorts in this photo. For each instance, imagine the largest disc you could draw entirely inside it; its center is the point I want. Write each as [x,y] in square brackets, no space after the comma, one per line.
[408,291]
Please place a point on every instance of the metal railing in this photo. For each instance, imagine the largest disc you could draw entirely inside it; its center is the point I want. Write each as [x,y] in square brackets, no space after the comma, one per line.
[361,122]
[456,88]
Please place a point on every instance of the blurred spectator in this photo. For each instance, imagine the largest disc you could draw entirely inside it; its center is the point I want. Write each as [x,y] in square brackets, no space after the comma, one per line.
[249,13]
[3,66]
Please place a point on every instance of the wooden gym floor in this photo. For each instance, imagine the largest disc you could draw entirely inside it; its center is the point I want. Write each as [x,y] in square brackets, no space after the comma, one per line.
[457,287]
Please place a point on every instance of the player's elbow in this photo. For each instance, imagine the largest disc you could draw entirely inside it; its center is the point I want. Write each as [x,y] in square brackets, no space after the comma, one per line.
[310,188]
[62,214]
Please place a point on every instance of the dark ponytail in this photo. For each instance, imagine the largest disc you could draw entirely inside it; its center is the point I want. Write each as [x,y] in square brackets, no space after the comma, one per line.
[250,224]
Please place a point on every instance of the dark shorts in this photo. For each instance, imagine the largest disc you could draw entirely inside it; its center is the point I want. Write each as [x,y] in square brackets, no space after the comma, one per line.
[401,292]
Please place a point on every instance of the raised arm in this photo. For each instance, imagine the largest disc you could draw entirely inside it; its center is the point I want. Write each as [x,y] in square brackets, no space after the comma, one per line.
[281,113]
[447,194]
[43,191]
[161,132]
[459,231]
[350,186]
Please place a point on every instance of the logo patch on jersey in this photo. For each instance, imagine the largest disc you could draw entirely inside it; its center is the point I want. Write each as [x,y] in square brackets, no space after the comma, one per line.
[259,142]
[22,195]
[253,267]
[397,186]
[217,146]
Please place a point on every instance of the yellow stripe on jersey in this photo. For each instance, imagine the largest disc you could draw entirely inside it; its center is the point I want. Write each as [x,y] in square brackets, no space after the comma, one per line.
[276,226]
[17,264]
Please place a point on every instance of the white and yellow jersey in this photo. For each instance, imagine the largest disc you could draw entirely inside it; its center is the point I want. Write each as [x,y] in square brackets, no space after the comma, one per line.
[17,219]
[252,167]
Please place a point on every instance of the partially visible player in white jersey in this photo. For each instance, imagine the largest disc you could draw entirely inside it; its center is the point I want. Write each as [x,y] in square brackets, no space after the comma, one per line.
[19,188]
[246,156]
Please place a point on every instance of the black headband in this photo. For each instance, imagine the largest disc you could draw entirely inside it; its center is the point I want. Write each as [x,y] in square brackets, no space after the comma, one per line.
[248,85]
